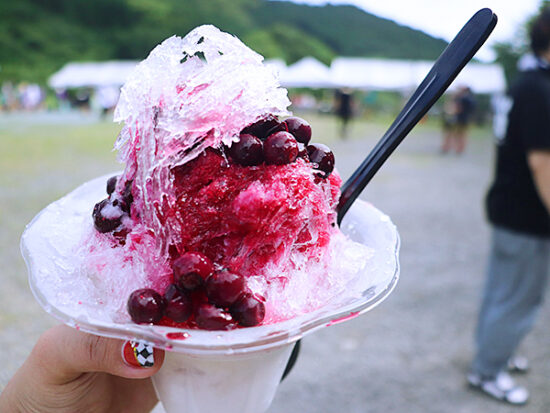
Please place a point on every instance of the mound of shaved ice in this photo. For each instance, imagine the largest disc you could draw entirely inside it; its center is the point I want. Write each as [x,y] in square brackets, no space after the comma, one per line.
[273,224]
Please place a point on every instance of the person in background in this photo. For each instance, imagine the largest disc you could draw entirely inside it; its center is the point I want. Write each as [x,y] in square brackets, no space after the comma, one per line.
[458,115]
[518,205]
[344,109]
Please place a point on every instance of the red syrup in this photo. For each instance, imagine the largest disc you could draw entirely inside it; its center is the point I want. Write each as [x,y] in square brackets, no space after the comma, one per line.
[168,322]
[244,217]
[350,316]
[177,336]
[261,208]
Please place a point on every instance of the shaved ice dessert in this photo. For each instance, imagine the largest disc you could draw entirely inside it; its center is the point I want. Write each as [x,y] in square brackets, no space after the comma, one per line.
[224,215]
[222,219]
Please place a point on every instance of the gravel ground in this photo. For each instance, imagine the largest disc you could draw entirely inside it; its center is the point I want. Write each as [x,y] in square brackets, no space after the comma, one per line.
[411,353]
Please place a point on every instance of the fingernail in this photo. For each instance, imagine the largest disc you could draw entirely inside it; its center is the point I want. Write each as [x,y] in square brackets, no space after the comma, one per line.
[138,354]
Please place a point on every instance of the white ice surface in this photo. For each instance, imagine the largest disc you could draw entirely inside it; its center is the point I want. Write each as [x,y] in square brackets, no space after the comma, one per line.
[189,94]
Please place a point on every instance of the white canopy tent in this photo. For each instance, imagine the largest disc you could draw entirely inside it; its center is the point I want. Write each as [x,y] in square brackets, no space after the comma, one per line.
[358,73]
[92,74]
[374,74]
[405,75]
[307,72]
[481,78]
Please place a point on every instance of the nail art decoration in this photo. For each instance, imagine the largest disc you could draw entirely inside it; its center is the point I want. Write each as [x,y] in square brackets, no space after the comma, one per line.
[139,354]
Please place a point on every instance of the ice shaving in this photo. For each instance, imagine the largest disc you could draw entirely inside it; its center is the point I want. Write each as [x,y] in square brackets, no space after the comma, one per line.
[224,215]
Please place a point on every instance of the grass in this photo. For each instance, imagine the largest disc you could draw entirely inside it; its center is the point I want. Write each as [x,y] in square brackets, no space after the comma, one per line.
[44,161]
[33,150]
[38,164]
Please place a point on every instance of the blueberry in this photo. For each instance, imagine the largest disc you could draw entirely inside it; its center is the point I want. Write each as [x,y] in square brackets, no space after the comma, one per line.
[191,269]
[107,216]
[280,148]
[111,184]
[210,317]
[145,306]
[248,151]
[321,157]
[223,288]
[299,128]
[265,127]
[178,304]
[248,311]
[127,197]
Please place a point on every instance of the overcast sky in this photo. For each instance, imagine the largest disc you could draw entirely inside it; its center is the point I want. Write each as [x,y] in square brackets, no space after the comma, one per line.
[442,18]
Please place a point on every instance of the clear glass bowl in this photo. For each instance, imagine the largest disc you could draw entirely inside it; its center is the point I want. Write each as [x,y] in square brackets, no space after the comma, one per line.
[54,234]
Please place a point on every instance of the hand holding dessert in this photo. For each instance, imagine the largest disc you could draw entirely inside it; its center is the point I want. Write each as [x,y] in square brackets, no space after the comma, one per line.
[71,371]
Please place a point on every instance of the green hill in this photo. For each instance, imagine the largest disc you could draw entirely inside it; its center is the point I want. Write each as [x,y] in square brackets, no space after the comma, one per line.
[38,37]
[349,31]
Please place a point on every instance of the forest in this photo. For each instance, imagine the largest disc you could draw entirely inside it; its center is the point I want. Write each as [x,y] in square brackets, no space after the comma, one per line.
[38,37]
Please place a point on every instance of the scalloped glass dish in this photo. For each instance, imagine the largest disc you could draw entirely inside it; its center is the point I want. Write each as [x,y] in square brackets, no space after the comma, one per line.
[49,242]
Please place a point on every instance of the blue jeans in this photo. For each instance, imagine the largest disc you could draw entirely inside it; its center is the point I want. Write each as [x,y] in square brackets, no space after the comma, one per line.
[514,290]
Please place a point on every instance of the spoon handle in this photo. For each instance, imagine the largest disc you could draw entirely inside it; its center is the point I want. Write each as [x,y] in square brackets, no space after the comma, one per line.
[453,59]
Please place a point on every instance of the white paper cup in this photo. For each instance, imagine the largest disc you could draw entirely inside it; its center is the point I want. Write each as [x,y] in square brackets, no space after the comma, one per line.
[233,383]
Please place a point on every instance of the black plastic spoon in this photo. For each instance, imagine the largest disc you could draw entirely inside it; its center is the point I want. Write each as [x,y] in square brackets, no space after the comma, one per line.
[453,59]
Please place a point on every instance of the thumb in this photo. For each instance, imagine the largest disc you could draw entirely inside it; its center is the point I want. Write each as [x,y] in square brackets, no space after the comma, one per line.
[65,353]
